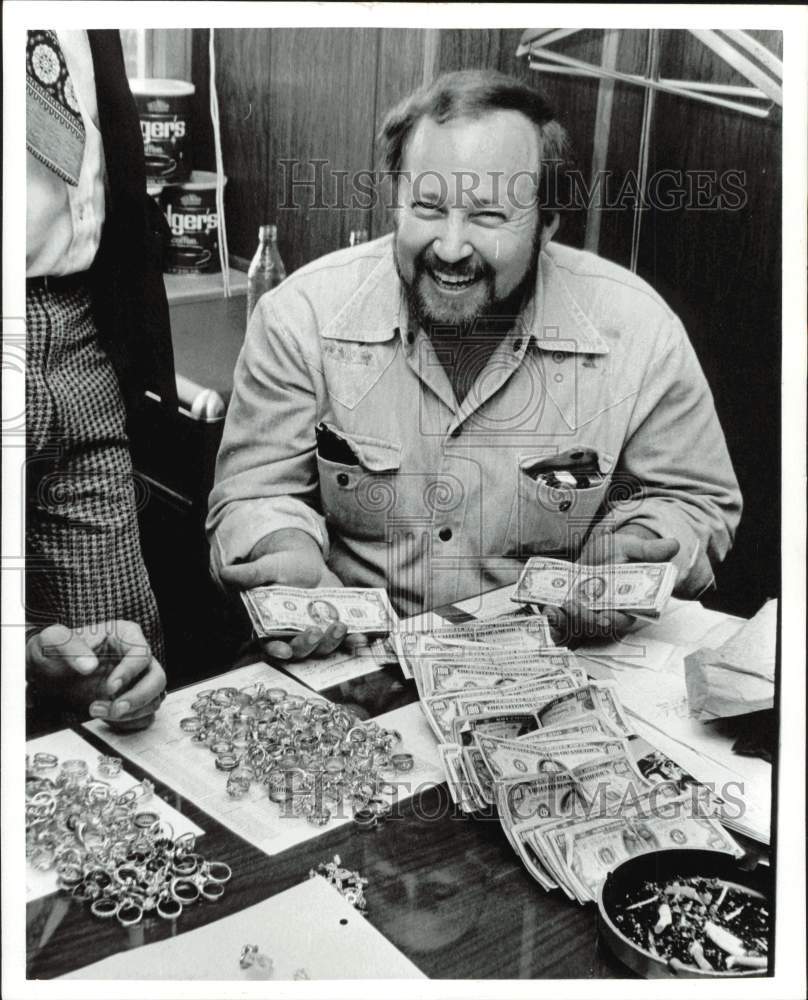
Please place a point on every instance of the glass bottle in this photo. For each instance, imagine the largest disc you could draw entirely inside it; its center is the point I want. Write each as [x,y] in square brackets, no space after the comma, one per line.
[266,268]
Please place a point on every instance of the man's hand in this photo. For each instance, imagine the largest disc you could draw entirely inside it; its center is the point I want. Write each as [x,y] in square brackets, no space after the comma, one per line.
[107,666]
[290,557]
[575,623]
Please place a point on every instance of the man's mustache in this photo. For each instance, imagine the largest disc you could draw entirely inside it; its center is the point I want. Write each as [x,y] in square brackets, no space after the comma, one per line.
[428,260]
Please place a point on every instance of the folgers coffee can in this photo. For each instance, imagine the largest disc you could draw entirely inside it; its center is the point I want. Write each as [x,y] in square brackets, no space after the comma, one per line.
[190,211]
[164,109]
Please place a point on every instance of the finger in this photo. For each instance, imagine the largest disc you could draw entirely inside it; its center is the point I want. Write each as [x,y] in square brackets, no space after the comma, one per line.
[331,640]
[303,645]
[102,709]
[636,549]
[131,725]
[559,625]
[147,688]
[585,625]
[135,657]
[356,640]
[276,649]
[57,648]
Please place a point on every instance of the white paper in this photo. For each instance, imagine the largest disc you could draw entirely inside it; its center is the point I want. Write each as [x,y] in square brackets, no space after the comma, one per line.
[309,926]
[324,672]
[169,754]
[68,745]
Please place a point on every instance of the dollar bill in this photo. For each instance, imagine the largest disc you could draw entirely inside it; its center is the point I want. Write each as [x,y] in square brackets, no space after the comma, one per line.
[281,612]
[512,758]
[600,697]
[634,588]
[514,631]
[441,677]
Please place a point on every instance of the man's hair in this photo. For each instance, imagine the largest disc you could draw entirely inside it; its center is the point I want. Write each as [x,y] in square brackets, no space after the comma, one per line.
[470,94]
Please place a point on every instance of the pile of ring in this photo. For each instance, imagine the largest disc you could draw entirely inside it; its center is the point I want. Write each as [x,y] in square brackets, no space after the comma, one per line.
[106,848]
[313,757]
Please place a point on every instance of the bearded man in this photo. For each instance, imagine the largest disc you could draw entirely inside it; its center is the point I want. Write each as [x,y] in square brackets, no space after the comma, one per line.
[425,411]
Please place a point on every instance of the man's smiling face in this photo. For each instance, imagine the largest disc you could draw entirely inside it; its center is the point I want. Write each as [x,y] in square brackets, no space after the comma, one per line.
[467,223]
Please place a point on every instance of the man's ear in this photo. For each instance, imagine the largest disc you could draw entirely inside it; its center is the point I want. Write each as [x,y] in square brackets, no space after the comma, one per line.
[549,222]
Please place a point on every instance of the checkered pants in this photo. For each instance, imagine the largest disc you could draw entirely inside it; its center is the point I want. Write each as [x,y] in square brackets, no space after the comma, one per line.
[84,562]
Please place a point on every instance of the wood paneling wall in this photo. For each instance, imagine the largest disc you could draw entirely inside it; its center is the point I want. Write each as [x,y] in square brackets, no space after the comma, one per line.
[321,94]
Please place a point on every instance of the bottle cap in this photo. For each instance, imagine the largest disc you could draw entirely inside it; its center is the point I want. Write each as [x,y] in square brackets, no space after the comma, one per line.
[267,232]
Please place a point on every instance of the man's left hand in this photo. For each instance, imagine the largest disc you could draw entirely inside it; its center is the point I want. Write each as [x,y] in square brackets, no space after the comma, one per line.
[575,623]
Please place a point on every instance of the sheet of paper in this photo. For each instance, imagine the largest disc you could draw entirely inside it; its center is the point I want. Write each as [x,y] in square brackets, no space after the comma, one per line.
[325,672]
[68,745]
[168,753]
[309,927]
[659,699]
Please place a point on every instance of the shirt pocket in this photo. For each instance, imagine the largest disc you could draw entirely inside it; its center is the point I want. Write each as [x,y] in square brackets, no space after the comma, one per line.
[547,520]
[357,498]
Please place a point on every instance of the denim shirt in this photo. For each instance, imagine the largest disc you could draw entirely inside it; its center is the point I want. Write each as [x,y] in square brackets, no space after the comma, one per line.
[438,500]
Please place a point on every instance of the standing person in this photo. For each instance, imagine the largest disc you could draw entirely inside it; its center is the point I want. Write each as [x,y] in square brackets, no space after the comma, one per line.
[393,401]
[98,337]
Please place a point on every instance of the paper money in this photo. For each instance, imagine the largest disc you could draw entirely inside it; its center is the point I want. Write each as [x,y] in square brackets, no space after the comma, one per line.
[514,631]
[441,677]
[512,758]
[639,589]
[600,697]
[280,612]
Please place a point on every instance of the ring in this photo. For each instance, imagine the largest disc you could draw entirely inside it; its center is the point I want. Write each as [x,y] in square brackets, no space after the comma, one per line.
[365,818]
[403,761]
[218,871]
[146,820]
[184,890]
[190,724]
[227,762]
[129,913]
[220,747]
[319,817]
[186,866]
[105,907]
[168,908]
[110,767]
[211,890]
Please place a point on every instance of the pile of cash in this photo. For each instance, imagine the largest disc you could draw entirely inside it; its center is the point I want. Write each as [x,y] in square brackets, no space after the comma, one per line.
[523,731]
[279,612]
[640,589]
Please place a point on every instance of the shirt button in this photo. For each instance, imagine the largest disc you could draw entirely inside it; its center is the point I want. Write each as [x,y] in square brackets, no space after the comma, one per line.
[343,478]
[558,377]
[456,432]
[565,505]
[517,344]
[445,534]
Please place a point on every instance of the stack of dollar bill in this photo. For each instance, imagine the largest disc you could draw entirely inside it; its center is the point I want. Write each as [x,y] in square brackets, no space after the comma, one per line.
[281,612]
[522,730]
[640,589]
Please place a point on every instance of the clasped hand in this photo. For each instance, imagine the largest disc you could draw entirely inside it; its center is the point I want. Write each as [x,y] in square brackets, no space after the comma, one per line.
[575,623]
[291,557]
[107,666]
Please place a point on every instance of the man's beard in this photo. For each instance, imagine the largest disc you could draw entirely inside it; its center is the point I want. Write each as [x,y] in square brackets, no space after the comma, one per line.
[483,311]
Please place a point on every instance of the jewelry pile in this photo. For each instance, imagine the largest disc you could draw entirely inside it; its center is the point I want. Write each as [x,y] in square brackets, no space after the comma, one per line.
[348,884]
[312,757]
[107,849]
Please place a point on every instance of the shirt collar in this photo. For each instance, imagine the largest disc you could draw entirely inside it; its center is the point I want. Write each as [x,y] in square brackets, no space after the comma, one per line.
[554,317]
[377,311]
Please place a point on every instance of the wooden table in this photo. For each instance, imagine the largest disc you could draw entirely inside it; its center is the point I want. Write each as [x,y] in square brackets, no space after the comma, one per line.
[446,889]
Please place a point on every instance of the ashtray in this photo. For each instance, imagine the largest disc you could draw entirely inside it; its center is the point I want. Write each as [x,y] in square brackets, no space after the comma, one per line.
[688,913]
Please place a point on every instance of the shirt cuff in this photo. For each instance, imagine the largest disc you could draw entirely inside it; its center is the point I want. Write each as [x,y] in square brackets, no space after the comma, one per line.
[248,521]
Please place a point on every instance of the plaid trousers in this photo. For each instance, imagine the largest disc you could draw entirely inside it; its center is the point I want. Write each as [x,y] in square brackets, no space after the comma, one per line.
[83,558]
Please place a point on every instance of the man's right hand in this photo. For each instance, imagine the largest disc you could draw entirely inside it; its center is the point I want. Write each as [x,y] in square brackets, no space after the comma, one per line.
[292,558]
